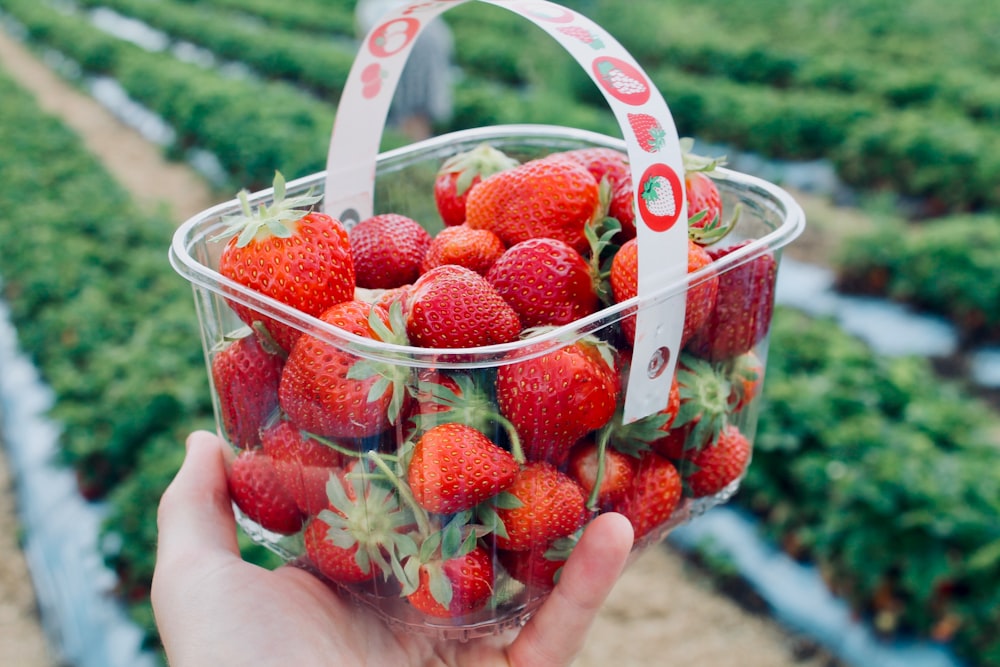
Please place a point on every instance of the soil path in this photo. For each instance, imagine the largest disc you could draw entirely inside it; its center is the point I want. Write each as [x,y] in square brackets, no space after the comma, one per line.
[661,612]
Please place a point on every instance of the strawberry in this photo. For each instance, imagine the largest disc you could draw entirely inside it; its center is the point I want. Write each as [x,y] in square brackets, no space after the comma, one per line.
[388,250]
[701,296]
[546,282]
[551,506]
[746,374]
[455,307]
[539,569]
[462,172]
[255,488]
[303,464]
[475,249]
[705,223]
[555,399]
[334,562]
[554,198]
[706,404]
[246,376]
[261,244]
[715,466]
[650,432]
[602,163]
[364,532]
[454,587]
[455,467]
[654,495]
[741,317]
[331,392]
[385,298]
[615,472]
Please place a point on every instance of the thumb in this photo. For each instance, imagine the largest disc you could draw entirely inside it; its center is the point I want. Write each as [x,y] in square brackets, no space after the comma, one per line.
[195,514]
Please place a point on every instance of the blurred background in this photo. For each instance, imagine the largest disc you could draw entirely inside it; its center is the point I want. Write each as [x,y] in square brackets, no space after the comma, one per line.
[867,531]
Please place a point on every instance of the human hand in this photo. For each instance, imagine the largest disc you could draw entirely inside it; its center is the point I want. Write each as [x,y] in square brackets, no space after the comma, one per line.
[214,608]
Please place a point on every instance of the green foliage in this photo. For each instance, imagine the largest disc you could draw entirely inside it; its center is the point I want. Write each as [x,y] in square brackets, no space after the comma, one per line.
[884,476]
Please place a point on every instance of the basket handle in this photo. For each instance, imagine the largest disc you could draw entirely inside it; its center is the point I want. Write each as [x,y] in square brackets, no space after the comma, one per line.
[642,115]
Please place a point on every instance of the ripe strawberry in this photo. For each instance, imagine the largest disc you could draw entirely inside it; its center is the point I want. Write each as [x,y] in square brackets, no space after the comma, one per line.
[246,377]
[303,464]
[705,223]
[455,307]
[742,313]
[551,506]
[554,198]
[651,432]
[388,250]
[715,466]
[622,208]
[454,467]
[654,495]
[555,399]
[546,282]
[747,377]
[462,172]
[365,530]
[255,488]
[706,404]
[261,244]
[701,296]
[616,474]
[336,563]
[475,249]
[328,391]
[455,587]
[602,163]
[539,569]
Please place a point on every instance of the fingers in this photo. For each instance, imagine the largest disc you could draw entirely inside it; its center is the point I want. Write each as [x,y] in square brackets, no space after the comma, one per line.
[195,514]
[556,633]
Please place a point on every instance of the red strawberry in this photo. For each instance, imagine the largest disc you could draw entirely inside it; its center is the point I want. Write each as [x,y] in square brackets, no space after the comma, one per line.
[651,432]
[747,377]
[255,488]
[616,475]
[539,569]
[742,313]
[555,399]
[701,296]
[654,495]
[303,464]
[705,223]
[246,377]
[551,506]
[648,132]
[364,532]
[454,467]
[328,391]
[334,562]
[455,587]
[712,469]
[388,250]
[706,404]
[622,208]
[554,198]
[455,307]
[602,163]
[475,249]
[460,173]
[260,248]
[546,282]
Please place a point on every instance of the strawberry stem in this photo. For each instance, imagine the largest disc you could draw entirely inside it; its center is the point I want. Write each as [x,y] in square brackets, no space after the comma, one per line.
[602,454]
[419,513]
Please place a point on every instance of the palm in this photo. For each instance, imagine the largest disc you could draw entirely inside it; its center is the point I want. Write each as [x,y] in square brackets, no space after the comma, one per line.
[214,608]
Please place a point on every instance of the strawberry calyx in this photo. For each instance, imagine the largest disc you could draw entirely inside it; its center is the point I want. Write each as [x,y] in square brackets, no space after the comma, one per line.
[275,220]
[600,239]
[396,376]
[374,520]
[702,229]
[482,161]
[706,401]
[469,405]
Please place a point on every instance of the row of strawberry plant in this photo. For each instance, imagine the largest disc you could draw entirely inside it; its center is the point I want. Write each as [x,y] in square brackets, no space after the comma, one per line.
[742,46]
[253,127]
[946,266]
[320,67]
[331,17]
[885,477]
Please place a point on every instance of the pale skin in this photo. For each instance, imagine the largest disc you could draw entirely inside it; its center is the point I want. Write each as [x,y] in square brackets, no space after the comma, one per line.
[214,609]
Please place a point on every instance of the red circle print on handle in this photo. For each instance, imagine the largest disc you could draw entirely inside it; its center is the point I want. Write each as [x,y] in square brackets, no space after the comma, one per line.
[623,81]
[392,37]
[660,197]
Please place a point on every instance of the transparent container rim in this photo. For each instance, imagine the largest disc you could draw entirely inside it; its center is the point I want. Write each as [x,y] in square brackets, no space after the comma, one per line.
[200,275]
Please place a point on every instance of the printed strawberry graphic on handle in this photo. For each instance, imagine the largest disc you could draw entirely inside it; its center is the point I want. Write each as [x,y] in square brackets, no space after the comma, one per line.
[586,36]
[623,81]
[648,132]
[660,197]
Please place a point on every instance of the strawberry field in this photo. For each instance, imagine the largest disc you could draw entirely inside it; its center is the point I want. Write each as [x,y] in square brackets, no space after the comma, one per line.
[873,468]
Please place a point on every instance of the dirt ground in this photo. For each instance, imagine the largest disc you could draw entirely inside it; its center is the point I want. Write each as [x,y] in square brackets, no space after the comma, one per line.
[661,612]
